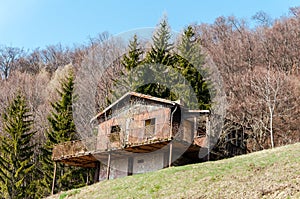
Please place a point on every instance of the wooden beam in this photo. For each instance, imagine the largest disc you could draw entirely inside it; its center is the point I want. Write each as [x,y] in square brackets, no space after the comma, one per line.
[108,166]
[53,181]
[208,137]
[170,154]
[87,177]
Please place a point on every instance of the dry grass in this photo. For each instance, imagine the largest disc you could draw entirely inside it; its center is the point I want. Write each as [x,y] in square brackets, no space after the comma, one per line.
[265,174]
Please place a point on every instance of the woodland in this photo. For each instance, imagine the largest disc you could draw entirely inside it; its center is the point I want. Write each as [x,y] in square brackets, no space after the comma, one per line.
[259,65]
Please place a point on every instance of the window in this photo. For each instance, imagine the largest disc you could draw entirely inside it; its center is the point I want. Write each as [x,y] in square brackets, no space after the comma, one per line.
[150,122]
[150,127]
[140,161]
[115,129]
[114,135]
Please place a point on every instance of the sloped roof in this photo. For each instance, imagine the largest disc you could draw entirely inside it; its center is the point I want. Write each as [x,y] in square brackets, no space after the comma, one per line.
[139,95]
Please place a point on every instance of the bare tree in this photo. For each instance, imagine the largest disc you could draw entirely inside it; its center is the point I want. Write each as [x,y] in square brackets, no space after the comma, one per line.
[8,59]
[263,19]
[98,71]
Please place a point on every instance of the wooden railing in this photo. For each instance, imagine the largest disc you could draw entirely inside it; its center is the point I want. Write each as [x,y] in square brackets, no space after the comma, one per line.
[74,148]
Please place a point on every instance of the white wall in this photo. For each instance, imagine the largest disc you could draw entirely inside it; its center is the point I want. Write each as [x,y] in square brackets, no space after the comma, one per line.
[148,162]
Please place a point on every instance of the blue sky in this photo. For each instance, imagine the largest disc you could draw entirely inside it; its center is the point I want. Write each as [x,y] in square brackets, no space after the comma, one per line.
[38,23]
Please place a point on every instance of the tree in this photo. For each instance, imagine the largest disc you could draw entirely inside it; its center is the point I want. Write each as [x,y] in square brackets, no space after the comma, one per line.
[62,129]
[8,59]
[189,62]
[157,63]
[16,158]
[269,87]
[163,73]
[263,19]
[130,61]
[160,50]
[61,119]
[133,59]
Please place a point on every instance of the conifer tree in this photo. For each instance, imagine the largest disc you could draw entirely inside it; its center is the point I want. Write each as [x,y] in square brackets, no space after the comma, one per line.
[62,129]
[189,63]
[161,64]
[157,61]
[160,50]
[129,81]
[133,59]
[16,156]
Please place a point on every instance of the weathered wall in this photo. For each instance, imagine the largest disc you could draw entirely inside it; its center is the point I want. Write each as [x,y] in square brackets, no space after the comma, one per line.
[148,162]
[141,164]
[119,168]
[188,131]
[162,126]
[132,123]
[106,140]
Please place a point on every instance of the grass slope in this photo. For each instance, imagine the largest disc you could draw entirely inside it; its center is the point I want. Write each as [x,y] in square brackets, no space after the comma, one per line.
[266,174]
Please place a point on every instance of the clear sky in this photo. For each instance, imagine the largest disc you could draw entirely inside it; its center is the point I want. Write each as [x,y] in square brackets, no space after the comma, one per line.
[38,23]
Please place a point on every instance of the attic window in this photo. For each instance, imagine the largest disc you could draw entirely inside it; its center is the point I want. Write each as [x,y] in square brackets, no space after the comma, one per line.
[115,129]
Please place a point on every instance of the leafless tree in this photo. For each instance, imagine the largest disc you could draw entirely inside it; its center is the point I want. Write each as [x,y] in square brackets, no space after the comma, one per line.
[98,72]
[8,59]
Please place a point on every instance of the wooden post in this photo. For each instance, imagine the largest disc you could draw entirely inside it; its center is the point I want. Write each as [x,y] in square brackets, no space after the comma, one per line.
[54,176]
[87,177]
[208,137]
[170,154]
[97,172]
[108,167]
[195,127]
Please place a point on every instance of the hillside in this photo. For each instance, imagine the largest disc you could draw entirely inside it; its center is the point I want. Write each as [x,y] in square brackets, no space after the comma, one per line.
[266,174]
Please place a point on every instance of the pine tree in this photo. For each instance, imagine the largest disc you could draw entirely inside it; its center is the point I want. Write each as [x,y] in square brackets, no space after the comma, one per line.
[129,79]
[160,50]
[16,157]
[133,59]
[61,118]
[156,64]
[189,63]
[62,129]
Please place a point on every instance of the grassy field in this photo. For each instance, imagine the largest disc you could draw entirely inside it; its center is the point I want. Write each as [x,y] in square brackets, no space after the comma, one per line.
[265,174]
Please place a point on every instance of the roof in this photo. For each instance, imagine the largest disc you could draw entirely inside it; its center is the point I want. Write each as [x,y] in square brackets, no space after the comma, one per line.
[139,95]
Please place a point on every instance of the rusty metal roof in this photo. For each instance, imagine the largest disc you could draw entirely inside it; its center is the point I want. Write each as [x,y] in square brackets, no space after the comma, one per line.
[139,95]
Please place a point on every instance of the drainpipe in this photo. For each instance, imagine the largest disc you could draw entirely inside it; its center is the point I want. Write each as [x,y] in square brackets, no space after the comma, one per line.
[171,144]
[171,127]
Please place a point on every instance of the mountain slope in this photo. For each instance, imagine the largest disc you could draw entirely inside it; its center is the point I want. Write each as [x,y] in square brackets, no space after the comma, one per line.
[266,174]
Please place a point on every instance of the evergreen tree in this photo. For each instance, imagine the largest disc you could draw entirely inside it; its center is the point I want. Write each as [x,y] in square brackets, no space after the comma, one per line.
[62,129]
[189,63]
[156,64]
[129,80]
[16,157]
[133,59]
[61,118]
[160,50]
[158,73]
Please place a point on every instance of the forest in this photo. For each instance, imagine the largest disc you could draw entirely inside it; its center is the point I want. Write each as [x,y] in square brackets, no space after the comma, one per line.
[259,65]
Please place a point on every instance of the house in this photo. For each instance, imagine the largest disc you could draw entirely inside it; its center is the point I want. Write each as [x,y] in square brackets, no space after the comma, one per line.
[136,134]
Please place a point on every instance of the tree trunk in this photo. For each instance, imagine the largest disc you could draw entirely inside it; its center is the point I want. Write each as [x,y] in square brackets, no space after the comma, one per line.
[271,127]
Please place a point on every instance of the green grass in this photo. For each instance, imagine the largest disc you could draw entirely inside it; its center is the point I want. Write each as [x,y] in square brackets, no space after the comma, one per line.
[265,174]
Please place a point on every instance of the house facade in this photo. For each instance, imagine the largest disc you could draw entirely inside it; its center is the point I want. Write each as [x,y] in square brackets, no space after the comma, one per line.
[136,134]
